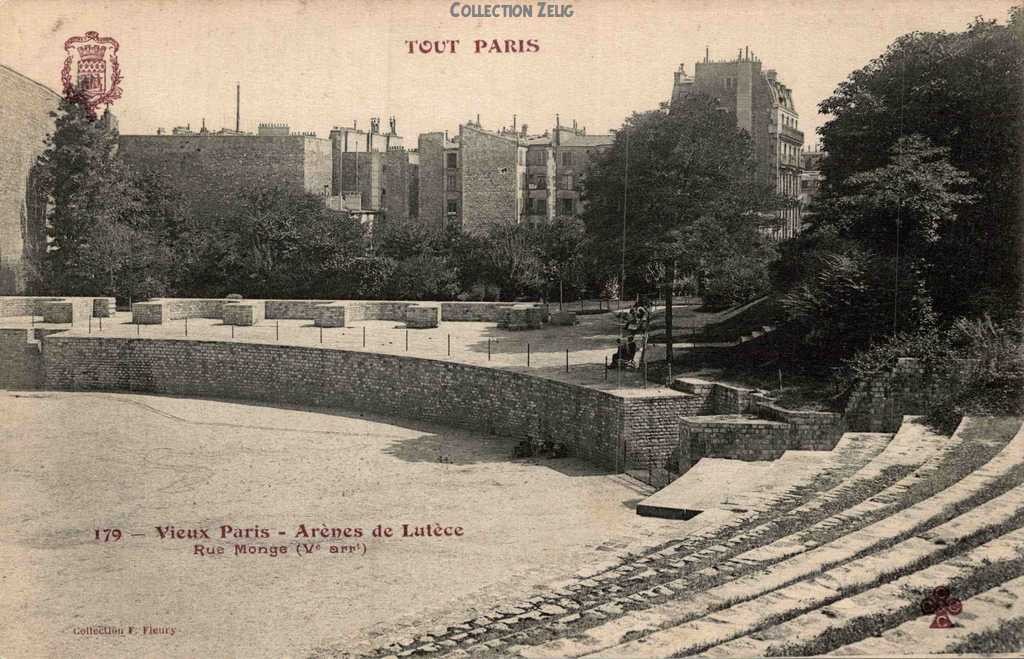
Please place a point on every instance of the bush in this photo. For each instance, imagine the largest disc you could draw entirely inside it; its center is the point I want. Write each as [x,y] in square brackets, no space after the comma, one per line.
[976,366]
[735,281]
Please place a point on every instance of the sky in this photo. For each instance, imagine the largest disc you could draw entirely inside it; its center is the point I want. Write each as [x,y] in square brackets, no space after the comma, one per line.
[315,64]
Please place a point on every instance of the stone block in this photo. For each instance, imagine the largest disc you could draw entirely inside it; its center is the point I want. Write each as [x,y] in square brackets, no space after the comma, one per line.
[422,316]
[329,315]
[58,312]
[244,313]
[148,313]
[521,317]
[563,318]
[103,307]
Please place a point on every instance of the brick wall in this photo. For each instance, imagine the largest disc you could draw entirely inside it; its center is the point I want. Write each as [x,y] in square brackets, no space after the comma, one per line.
[651,435]
[81,308]
[25,107]
[594,425]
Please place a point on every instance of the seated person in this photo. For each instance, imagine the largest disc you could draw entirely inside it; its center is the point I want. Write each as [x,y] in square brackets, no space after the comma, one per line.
[624,353]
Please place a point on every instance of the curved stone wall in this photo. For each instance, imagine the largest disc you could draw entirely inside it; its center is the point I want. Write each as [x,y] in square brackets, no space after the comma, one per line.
[595,425]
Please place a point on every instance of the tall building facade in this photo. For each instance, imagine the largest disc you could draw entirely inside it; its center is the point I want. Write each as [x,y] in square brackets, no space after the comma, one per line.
[482,177]
[763,107]
[25,107]
[367,173]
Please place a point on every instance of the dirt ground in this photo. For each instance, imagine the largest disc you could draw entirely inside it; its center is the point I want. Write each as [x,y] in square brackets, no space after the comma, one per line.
[72,463]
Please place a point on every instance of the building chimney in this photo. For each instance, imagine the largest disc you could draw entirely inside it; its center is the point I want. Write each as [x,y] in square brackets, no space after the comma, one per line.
[707,53]
[747,54]
[524,130]
[238,107]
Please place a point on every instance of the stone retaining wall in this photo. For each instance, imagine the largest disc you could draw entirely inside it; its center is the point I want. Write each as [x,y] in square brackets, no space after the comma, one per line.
[483,312]
[330,315]
[880,403]
[422,316]
[594,425]
[21,358]
[735,437]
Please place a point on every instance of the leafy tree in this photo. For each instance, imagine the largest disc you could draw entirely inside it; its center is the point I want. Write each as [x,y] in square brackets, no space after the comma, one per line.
[513,262]
[963,92]
[561,246]
[689,165]
[286,243]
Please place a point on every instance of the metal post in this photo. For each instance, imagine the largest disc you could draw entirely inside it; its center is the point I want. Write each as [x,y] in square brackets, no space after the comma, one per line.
[527,355]
[407,340]
[364,336]
[101,323]
[566,360]
[449,345]
[488,350]
[232,331]
[33,316]
[186,325]
[321,335]
[606,368]
[138,329]
[277,330]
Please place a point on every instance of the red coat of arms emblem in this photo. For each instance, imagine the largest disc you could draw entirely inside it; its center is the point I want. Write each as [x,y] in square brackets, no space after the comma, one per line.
[91,72]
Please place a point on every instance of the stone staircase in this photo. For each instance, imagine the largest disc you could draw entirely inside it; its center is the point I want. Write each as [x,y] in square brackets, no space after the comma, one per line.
[836,561]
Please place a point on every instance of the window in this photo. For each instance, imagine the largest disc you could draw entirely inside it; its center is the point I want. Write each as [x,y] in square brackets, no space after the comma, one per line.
[449,183]
[453,206]
[538,206]
[567,158]
[565,206]
[538,182]
[453,160]
[567,182]
[536,157]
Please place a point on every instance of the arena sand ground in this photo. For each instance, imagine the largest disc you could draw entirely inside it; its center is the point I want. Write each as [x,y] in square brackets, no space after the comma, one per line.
[71,463]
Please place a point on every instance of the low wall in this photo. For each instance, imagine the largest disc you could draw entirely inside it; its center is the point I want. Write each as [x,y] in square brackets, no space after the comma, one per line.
[375,310]
[808,430]
[594,425]
[178,308]
[80,310]
[292,309]
[735,437]
[880,403]
[483,312]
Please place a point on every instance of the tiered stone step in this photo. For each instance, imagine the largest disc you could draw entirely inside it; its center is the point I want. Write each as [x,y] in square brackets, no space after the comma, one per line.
[833,588]
[984,613]
[677,637]
[787,553]
[850,455]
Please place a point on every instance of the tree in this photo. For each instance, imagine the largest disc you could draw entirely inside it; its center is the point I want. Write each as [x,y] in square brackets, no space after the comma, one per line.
[689,164]
[963,92]
[514,264]
[95,209]
[561,245]
[693,196]
[285,243]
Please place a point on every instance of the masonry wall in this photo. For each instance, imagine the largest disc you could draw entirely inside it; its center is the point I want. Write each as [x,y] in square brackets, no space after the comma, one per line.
[24,122]
[880,403]
[593,424]
[22,358]
[431,181]
[489,185]
[212,171]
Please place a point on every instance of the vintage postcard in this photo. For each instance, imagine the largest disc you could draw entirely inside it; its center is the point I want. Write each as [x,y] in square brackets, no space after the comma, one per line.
[402,328]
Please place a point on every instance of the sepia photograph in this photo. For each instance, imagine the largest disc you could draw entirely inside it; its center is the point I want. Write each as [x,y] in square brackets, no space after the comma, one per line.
[598,328]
